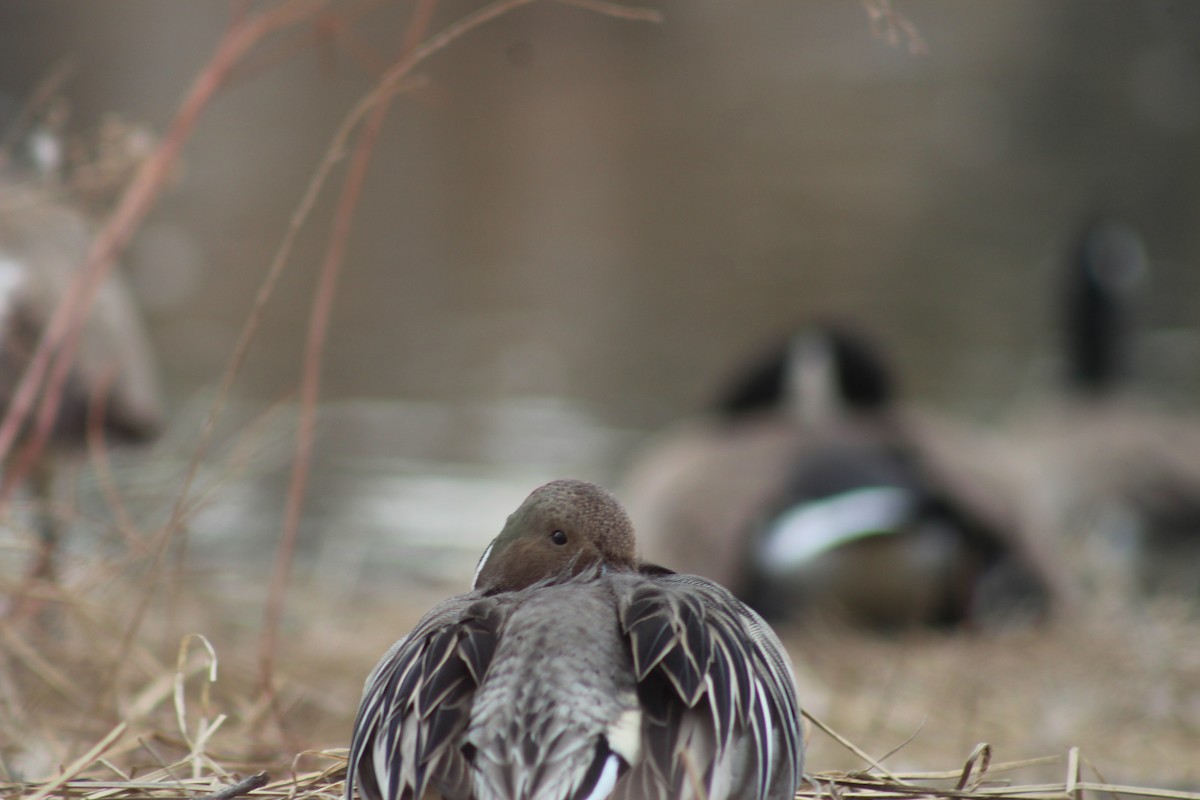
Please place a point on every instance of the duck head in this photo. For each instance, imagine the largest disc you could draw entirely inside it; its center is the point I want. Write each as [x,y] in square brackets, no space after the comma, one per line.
[562,529]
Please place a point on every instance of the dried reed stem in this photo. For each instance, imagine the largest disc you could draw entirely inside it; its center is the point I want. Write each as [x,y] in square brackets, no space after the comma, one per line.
[616,10]
[314,348]
[245,786]
[98,454]
[56,350]
[80,764]
[240,37]
[375,103]
[327,784]
[844,742]
[318,328]
[890,25]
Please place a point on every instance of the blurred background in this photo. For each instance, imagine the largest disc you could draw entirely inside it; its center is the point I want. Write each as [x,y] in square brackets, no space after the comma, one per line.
[578,224]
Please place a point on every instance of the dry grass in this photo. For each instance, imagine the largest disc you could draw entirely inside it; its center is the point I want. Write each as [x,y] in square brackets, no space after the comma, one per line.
[185,715]
[1124,687]
[977,779]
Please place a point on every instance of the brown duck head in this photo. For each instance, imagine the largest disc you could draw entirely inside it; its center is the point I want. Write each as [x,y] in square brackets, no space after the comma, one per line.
[562,529]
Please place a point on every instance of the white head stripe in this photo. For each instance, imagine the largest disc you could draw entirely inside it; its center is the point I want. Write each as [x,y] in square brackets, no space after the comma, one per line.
[482,560]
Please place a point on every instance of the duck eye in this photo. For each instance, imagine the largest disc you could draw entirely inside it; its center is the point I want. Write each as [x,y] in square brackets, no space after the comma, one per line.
[558,537]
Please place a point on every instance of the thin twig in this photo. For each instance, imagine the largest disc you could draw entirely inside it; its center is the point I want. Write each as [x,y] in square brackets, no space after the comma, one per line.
[394,81]
[56,350]
[844,742]
[314,348]
[271,56]
[245,786]
[239,38]
[45,89]
[972,777]
[1072,781]
[617,10]
[81,763]
[418,26]
[98,454]
[45,669]
[310,389]
[889,24]
[906,742]
[327,782]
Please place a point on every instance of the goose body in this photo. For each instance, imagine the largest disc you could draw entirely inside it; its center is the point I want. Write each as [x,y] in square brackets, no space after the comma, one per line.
[43,243]
[808,490]
[1114,482]
[588,676]
[860,531]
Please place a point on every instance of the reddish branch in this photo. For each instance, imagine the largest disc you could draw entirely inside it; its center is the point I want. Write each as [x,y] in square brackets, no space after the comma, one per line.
[56,351]
[314,348]
[890,25]
[412,53]
[318,327]
[243,33]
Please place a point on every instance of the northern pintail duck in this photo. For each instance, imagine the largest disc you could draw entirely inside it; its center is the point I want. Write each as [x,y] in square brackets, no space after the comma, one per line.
[572,671]
[808,490]
[1114,476]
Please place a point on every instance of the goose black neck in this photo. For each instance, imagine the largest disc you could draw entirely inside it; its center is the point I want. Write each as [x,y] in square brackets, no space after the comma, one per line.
[1096,314]
[862,380]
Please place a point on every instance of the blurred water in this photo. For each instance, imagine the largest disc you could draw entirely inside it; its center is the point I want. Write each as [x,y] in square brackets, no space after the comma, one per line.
[401,494]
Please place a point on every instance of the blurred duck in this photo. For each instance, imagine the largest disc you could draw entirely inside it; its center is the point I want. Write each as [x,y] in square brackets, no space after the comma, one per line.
[808,491]
[574,671]
[43,242]
[1116,485]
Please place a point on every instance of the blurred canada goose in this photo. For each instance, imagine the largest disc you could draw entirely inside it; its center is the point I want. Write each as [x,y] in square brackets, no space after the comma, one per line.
[1105,266]
[43,242]
[1117,481]
[572,671]
[808,490]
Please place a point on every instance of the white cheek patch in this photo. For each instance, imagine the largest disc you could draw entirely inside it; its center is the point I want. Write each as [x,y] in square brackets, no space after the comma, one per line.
[482,560]
[810,529]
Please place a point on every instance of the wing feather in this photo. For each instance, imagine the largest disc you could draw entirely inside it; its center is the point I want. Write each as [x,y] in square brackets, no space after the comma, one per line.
[715,690]
[416,704]
[716,685]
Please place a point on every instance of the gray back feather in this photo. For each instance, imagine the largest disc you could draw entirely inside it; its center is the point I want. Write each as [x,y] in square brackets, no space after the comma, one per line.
[521,695]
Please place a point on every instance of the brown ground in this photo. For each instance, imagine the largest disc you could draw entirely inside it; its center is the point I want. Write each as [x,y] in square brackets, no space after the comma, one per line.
[1127,694]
